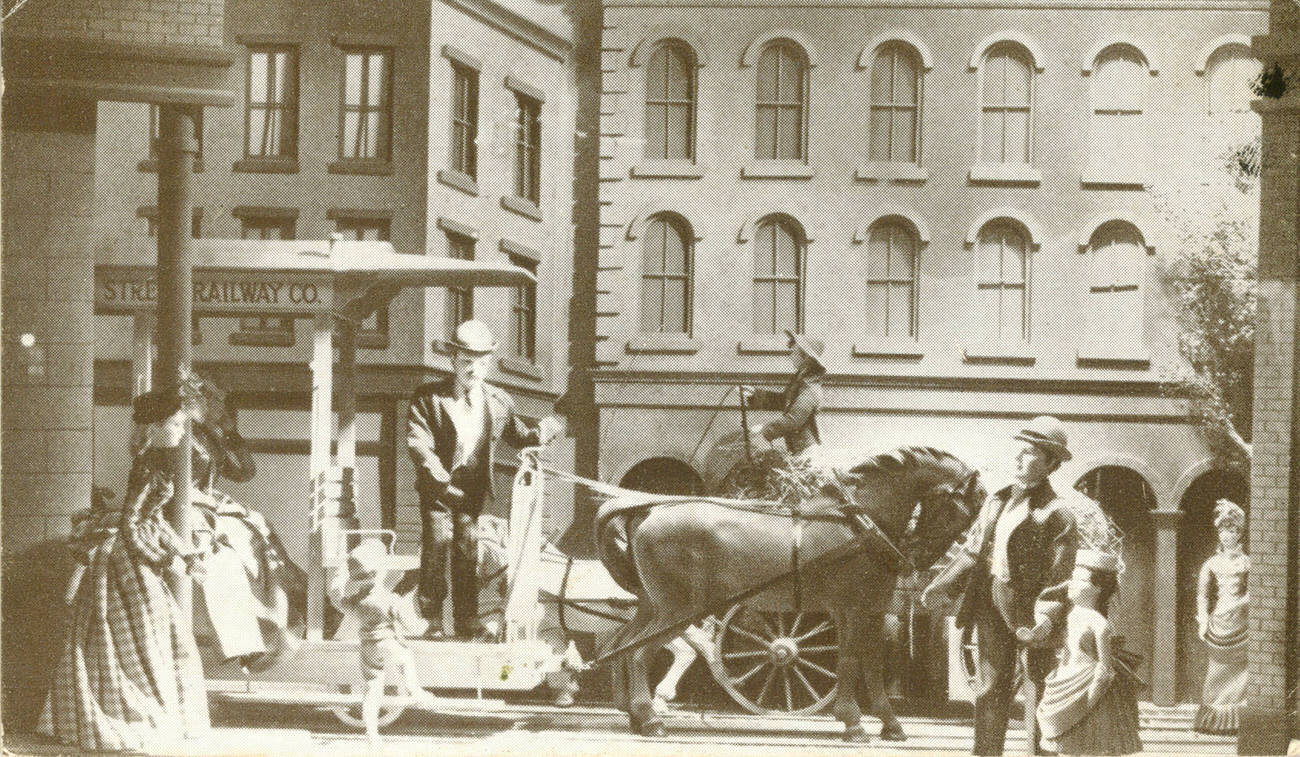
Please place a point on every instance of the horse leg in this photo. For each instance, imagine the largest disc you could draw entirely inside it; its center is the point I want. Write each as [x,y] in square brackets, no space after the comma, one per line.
[874,680]
[684,656]
[642,704]
[848,674]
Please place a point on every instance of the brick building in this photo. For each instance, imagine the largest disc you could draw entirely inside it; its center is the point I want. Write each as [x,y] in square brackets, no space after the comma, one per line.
[1274,652]
[446,133]
[955,199]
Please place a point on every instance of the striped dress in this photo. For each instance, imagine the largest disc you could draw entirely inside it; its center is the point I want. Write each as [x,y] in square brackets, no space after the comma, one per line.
[129,675]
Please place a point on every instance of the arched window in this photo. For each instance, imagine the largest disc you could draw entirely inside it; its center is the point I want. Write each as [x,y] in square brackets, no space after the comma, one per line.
[1117,261]
[778,276]
[666,276]
[1002,283]
[1006,102]
[1230,72]
[1119,96]
[670,102]
[895,104]
[782,103]
[891,280]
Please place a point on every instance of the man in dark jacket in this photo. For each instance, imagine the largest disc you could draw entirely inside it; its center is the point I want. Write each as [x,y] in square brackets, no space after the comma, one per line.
[1012,572]
[797,403]
[452,428]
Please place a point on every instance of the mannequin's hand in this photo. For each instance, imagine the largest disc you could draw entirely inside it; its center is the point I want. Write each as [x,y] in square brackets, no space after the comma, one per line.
[1036,635]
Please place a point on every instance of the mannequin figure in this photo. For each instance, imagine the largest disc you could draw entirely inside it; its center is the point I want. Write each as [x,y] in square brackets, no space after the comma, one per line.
[1221,605]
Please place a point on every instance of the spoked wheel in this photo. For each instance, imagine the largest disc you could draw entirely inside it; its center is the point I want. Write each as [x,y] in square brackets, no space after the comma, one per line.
[778,662]
[351,715]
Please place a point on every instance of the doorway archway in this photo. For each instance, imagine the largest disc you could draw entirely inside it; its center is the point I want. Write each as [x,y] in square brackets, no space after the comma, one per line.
[663,475]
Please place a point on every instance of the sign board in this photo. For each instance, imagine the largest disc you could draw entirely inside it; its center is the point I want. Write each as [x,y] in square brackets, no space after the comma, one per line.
[128,289]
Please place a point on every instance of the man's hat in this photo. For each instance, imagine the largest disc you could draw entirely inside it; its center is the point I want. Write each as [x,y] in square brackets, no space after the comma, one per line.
[157,405]
[1047,433]
[474,336]
[811,346]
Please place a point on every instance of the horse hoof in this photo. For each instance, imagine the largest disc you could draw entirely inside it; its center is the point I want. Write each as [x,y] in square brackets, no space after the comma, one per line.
[654,729]
[856,735]
[893,734]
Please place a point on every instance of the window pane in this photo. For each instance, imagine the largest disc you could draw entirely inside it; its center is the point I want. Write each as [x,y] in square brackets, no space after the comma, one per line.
[878,252]
[378,90]
[902,254]
[674,306]
[765,250]
[352,79]
[653,248]
[351,135]
[990,258]
[283,79]
[257,77]
[374,128]
[880,123]
[905,79]
[678,131]
[765,144]
[1017,80]
[1017,146]
[675,250]
[679,75]
[877,309]
[657,143]
[763,308]
[994,81]
[991,137]
[767,64]
[791,81]
[790,133]
[900,311]
[787,252]
[651,291]
[1014,259]
[656,75]
[881,76]
[787,307]
[1012,318]
[904,148]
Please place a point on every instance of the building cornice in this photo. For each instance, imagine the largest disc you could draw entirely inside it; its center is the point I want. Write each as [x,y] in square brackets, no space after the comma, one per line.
[517,26]
[801,5]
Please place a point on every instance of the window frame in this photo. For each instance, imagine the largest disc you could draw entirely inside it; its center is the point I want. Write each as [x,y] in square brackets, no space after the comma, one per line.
[376,338]
[1127,349]
[528,148]
[383,159]
[690,64]
[1026,295]
[682,228]
[523,313]
[779,45]
[795,229]
[265,335]
[289,110]
[459,305]
[1025,57]
[1111,171]
[897,47]
[1212,63]
[889,283]
[464,161]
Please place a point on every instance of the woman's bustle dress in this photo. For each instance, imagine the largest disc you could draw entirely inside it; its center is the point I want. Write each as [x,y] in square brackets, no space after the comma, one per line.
[1224,692]
[129,675]
[1110,726]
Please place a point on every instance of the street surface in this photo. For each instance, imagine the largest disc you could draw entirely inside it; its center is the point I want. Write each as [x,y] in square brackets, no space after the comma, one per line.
[545,731]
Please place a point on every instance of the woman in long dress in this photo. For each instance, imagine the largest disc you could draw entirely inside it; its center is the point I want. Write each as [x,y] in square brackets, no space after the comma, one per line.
[1223,585]
[129,677]
[1089,704]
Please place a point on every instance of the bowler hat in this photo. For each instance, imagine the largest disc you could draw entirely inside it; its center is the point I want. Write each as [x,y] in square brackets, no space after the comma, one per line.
[474,336]
[157,405]
[1047,433]
[811,346]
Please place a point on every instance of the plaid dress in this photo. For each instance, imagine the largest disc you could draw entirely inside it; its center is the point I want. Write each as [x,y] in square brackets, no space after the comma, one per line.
[129,675]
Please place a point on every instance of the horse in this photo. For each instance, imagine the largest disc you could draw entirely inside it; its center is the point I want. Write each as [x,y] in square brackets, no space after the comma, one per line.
[687,558]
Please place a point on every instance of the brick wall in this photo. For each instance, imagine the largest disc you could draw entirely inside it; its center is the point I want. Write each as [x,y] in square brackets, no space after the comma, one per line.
[48,295]
[141,22]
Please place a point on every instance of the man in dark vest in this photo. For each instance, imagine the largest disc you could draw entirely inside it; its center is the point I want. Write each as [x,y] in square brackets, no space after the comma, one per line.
[1012,572]
[452,428]
[797,403]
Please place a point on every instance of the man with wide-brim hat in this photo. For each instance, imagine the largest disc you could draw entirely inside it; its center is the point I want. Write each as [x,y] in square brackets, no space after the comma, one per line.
[797,403]
[452,428]
[1011,572]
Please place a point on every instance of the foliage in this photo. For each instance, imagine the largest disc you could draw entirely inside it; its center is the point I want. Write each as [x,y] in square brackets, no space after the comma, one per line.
[1211,276]
[1272,82]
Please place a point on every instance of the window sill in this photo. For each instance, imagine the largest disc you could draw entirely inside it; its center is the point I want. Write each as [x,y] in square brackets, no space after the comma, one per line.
[457,180]
[1113,179]
[524,207]
[520,367]
[905,349]
[1120,356]
[1004,354]
[265,165]
[899,172]
[259,339]
[362,167]
[764,344]
[1005,174]
[777,169]
[151,165]
[663,344]
[667,169]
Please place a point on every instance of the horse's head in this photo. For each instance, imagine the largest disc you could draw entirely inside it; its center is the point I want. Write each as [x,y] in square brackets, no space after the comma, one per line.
[944,512]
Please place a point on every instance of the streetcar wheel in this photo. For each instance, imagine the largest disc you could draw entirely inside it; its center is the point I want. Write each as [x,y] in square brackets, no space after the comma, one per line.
[350,716]
[777,662]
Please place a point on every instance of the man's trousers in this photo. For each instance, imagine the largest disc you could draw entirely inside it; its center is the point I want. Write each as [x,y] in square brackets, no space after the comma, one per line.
[463,547]
[999,654]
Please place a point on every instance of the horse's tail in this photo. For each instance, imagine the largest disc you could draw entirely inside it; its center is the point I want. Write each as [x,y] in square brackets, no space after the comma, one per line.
[615,526]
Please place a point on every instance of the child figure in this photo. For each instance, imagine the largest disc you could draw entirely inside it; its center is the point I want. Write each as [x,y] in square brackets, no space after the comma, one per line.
[370,601]
[1089,703]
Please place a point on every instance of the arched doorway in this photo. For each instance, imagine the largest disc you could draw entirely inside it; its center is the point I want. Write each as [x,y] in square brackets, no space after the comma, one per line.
[1197,540]
[663,475]
[1128,499]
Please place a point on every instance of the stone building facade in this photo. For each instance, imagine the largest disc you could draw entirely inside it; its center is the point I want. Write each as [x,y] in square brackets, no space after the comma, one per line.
[967,204]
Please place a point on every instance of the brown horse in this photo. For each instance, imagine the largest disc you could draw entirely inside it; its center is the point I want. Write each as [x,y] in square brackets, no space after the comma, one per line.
[684,558]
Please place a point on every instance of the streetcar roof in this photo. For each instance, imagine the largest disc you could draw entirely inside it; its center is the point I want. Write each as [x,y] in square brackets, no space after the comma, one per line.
[372,262]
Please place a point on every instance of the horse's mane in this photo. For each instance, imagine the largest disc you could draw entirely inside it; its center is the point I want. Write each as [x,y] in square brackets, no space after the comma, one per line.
[905,458]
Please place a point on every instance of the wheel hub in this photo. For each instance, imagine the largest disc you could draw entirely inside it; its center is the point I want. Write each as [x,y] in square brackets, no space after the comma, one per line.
[783,651]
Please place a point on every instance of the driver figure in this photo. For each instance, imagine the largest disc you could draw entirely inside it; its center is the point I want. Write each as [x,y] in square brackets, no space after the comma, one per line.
[797,403]
[452,427]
